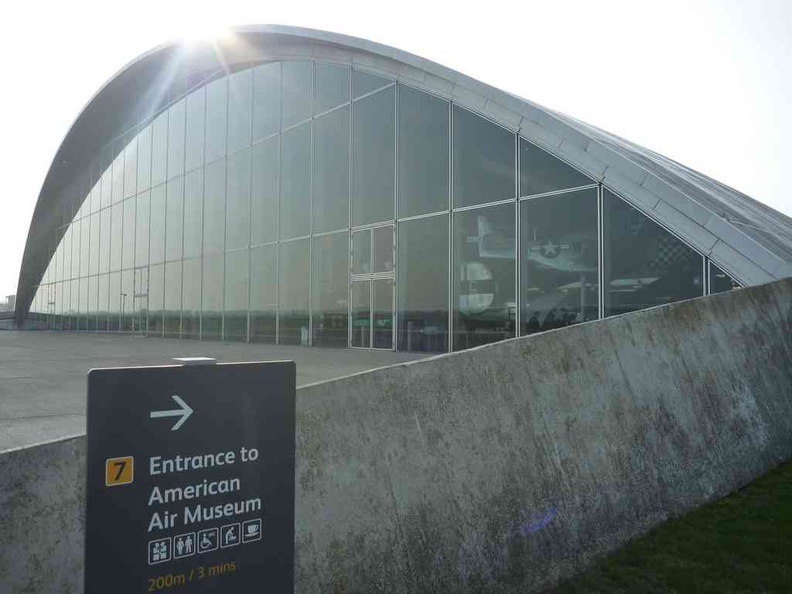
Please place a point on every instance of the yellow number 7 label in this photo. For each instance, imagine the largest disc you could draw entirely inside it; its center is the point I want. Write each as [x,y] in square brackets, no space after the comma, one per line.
[119,471]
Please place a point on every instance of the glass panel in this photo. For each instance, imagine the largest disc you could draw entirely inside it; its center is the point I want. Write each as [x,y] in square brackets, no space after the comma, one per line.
[157,225]
[330,289]
[264,189]
[96,227]
[294,290]
[374,153]
[71,241]
[214,207]
[176,127]
[103,292]
[127,291]
[128,249]
[363,82]
[236,296]
[173,219]
[423,153]
[130,168]
[720,281]
[196,124]
[173,297]
[212,297]
[361,252]
[382,258]
[240,96]
[295,198]
[156,294]
[644,264]
[116,241]
[216,101]
[383,313]
[238,200]
[193,213]
[542,172]
[331,85]
[104,241]
[140,288]
[85,246]
[114,311]
[118,176]
[144,159]
[361,314]
[423,284]
[107,188]
[331,171]
[483,160]
[559,274]
[485,306]
[142,229]
[159,149]
[296,92]
[266,99]
[191,298]
[88,296]
[263,294]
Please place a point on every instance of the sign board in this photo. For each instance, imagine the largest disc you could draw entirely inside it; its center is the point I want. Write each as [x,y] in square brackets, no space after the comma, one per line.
[191,479]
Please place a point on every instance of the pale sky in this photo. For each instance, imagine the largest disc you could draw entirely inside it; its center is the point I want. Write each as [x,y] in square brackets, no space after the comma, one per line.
[704,82]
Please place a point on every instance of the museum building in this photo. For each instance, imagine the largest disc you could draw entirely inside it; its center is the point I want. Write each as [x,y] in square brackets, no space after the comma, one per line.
[291,186]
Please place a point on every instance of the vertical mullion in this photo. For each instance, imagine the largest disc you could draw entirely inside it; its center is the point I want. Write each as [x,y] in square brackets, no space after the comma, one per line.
[277,205]
[311,209]
[517,241]
[600,253]
[349,206]
[450,243]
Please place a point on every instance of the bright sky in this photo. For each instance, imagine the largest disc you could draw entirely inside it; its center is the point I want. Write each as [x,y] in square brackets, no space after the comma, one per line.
[704,82]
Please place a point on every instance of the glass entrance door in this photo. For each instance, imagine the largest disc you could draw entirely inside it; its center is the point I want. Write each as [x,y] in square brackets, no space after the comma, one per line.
[372,286]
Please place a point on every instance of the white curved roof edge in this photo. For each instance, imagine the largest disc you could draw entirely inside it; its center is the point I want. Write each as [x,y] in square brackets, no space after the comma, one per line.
[749,240]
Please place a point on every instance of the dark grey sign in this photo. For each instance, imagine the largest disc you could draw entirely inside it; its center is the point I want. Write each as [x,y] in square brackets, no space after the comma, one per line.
[191,479]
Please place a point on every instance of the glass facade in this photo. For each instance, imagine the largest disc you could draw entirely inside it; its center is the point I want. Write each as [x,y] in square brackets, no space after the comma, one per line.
[311,203]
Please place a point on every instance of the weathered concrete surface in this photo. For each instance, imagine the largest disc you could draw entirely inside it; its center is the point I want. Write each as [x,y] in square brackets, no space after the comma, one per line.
[508,467]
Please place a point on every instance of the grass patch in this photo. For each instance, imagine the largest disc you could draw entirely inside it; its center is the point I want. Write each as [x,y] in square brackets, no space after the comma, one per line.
[741,543]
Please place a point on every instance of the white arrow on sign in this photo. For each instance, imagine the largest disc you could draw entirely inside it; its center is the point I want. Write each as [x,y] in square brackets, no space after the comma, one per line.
[184,412]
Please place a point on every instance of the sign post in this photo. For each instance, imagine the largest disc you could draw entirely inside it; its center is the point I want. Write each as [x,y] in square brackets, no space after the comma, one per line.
[191,479]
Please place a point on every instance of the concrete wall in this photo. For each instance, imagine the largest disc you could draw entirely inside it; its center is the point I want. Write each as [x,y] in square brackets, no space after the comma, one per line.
[499,469]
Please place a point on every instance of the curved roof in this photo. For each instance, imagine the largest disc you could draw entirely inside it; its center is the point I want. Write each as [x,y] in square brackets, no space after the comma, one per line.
[748,239]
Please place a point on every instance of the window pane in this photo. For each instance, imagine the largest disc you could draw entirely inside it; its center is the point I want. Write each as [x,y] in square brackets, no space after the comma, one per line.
[129,234]
[559,272]
[644,264]
[196,123]
[191,298]
[89,296]
[330,287]
[236,296]
[103,292]
[118,176]
[382,317]
[374,143]
[238,200]
[483,160]
[114,309]
[212,297]
[144,159]
[176,127]
[361,251]
[96,225]
[263,294]
[331,171]
[720,281]
[140,290]
[70,242]
[295,205]
[264,188]
[363,82]
[85,246]
[382,257]
[423,153]
[266,99]
[106,221]
[116,240]
[214,207]
[159,149]
[193,213]
[130,168]
[173,295]
[361,314]
[484,276]
[294,288]
[423,284]
[157,225]
[541,172]
[296,92]
[142,229]
[127,290]
[156,295]
[107,188]
[216,100]
[331,87]
[240,90]
[173,219]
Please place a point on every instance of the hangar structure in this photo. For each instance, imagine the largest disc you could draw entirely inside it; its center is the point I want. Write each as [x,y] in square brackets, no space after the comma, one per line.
[296,186]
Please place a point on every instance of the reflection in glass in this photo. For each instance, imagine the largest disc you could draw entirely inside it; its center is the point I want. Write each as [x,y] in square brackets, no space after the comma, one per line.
[116,229]
[238,200]
[295,198]
[236,296]
[214,207]
[140,289]
[483,155]
[173,297]
[331,85]
[89,297]
[361,251]
[103,293]
[85,245]
[720,281]
[193,213]
[118,174]
[382,249]
[191,298]
[156,296]
[144,159]
[105,218]
[196,123]
[263,294]
[130,167]
[264,191]
[374,153]
[126,300]
[159,149]
[176,127]
[484,276]
[114,309]
[173,219]
[541,172]
[423,284]
[644,264]
[364,83]
[330,288]
[128,250]
[157,225]
[296,87]
[294,290]
[216,124]
[212,297]
[559,274]
[361,314]
[331,171]
[423,152]
[266,100]
[142,229]
[240,96]
[382,315]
